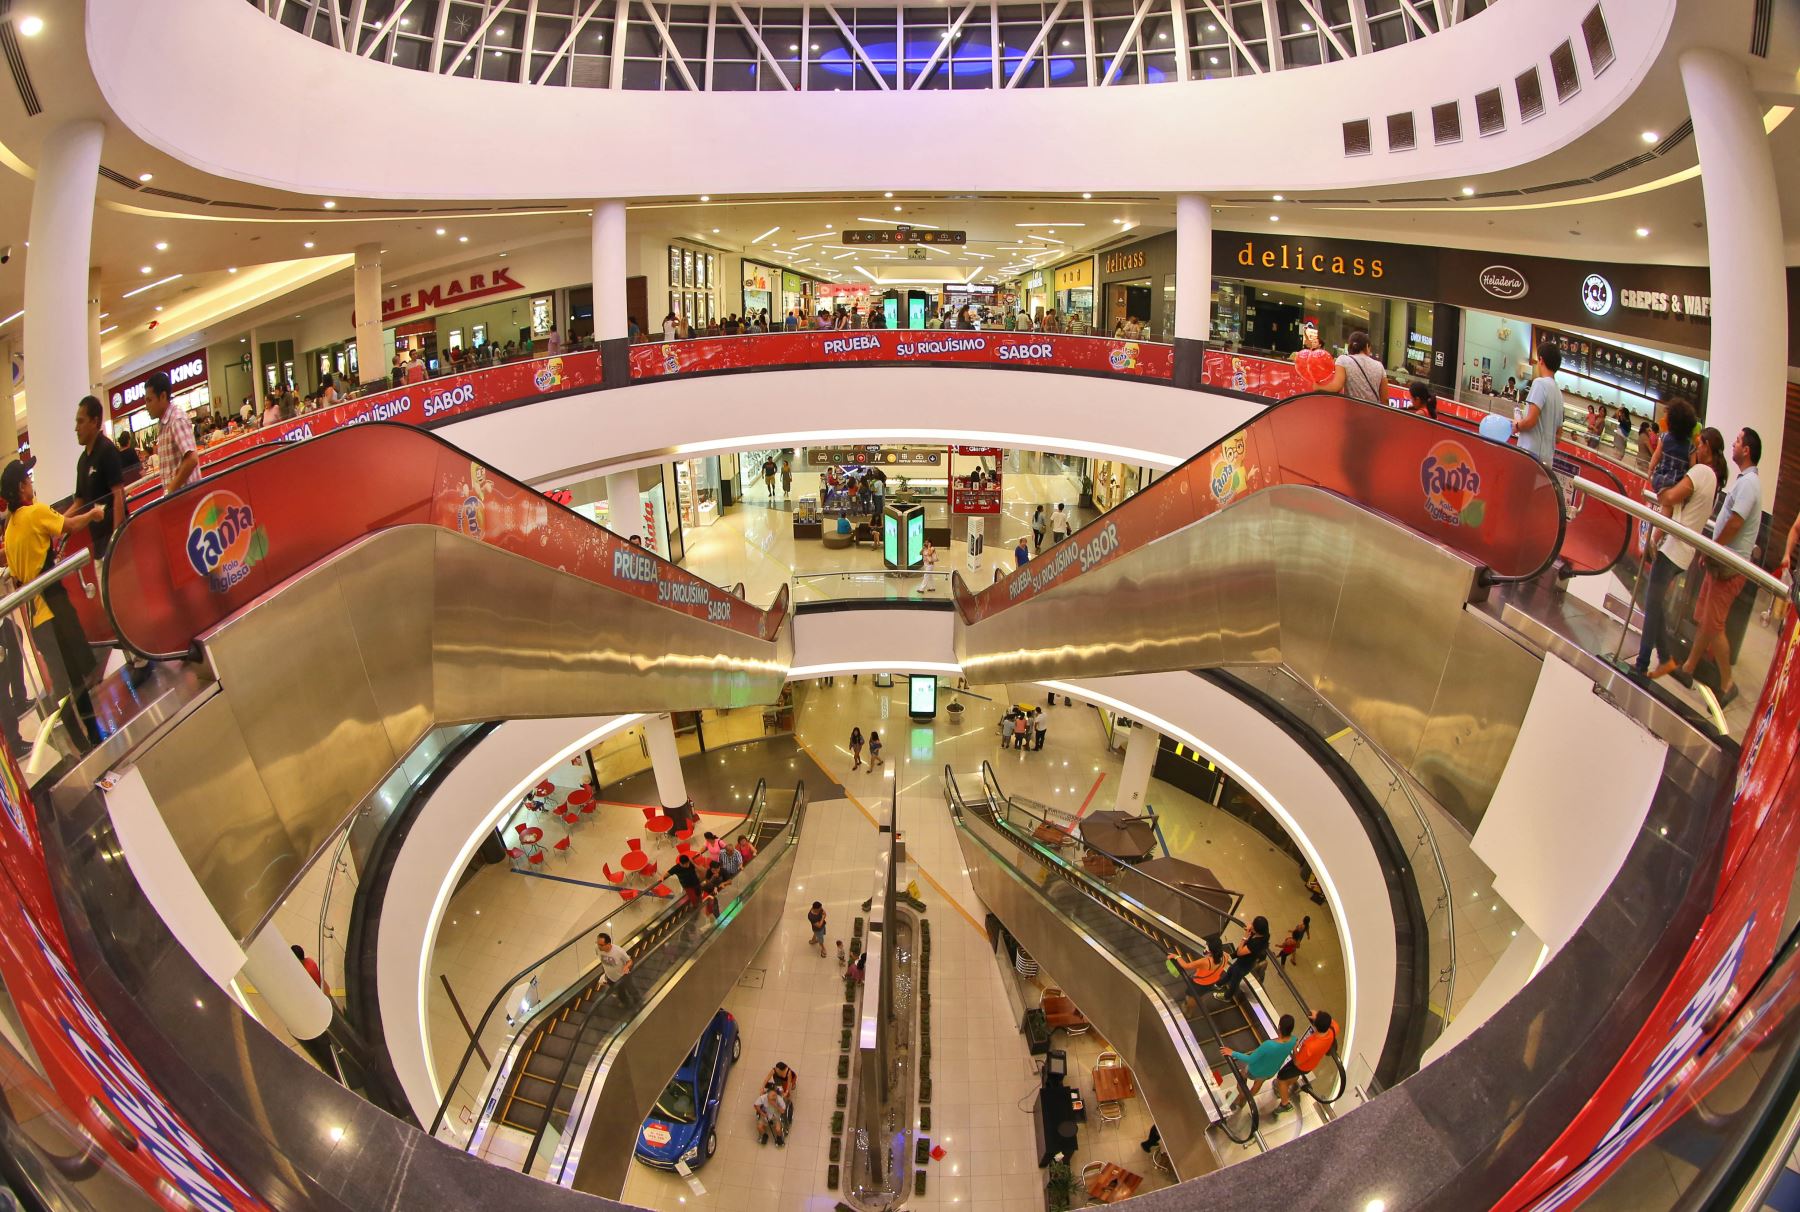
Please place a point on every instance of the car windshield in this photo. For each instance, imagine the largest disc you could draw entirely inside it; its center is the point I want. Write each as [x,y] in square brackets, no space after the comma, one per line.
[676,1103]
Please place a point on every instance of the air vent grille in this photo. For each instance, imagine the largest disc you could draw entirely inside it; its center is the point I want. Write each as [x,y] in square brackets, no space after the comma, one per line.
[179,197]
[1490,112]
[1563,73]
[1446,123]
[1759,28]
[1624,166]
[1598,39]
[15,63]
[1356,138]
[1681,134]
[118,178]
[1544,189]
[1531,94]
[1401,136]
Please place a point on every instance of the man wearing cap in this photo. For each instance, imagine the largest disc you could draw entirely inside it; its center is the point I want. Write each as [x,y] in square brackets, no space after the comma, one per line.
[177,458]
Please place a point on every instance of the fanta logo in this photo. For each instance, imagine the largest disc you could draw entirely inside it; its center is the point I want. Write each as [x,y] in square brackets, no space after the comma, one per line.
[224,542]
[1452,486]
[1125,357]
[549,375]
[671,360]
[468,517]
[1228,478]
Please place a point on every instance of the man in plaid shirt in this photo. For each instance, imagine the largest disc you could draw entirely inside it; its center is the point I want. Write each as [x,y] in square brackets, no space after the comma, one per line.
[177,458]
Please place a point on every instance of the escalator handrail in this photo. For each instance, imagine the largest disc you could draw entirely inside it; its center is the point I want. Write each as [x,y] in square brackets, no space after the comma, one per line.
[510,982]
[775,613]
[1100,894]
[796,818]
[965,597]
[988,776]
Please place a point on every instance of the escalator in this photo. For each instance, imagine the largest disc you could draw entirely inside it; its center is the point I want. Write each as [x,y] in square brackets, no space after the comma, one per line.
[1110,954]
[562,1100]
[430,590]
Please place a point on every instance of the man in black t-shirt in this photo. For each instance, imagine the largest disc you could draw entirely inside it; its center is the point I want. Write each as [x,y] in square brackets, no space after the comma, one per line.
[99,474]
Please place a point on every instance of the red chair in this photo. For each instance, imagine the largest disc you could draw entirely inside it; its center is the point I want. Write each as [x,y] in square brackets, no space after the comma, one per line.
[648,871]
[587,810]
[562,849]
[632,843]
[531,835]
[517,856]
[546,787]
[569,818]
[628,895]
[684,849]
[612,877]
[684,835]
[661,890]
[521,827]
[537,858]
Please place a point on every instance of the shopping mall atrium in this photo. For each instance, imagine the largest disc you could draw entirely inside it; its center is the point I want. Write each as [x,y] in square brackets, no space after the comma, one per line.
[1204,623]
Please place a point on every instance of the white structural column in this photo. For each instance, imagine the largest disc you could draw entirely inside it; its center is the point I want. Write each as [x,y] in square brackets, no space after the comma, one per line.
[56,279]
[622,515]
[612,326]
[9,416]
[1140,757]
[1743,243]
[371,357]
[665,762]
[259,389]
[278,976]
[1193,267]
[96,386]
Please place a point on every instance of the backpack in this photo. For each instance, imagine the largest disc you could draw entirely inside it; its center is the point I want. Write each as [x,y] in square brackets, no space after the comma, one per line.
[731,860]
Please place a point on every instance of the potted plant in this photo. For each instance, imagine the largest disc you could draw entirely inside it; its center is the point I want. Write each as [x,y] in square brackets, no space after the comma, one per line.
[955,710]
[1059,1187]
[903,488]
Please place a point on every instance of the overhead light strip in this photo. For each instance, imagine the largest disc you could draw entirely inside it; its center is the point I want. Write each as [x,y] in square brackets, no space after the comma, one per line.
[766,234]
[152,286]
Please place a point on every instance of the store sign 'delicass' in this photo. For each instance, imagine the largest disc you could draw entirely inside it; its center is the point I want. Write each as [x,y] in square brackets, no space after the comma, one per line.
[1504,282]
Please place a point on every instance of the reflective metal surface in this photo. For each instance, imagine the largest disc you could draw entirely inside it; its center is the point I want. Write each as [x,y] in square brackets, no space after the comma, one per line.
[1363,610]
[1136,1019]
[362,655]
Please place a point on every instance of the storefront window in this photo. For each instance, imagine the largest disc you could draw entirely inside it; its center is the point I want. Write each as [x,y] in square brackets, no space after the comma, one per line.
[1269,318]
[697,489]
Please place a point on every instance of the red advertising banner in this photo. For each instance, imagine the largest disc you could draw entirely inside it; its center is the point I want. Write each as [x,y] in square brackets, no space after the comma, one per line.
[815,347]
[1702,1028]
[102,1090]
[1496,504]
[416,403]
[966,496]
[188,562]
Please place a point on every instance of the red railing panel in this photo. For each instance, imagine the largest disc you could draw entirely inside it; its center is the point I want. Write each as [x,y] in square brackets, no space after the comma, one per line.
[962,347]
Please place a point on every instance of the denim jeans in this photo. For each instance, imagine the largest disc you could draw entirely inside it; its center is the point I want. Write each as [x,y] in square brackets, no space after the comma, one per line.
[1662,576]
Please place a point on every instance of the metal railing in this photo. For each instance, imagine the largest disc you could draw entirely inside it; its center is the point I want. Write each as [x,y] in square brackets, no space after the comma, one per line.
[878,584]
[36,689]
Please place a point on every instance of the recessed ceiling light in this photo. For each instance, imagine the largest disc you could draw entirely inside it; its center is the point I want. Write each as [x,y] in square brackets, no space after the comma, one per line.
[1468,191]
[1274,218]
[146,176]
[145,270]
[232,270]
[1213,59]
[159,307]
[440,231]
[706,197]
[405,22]
[1306,26]
[462,239]
[330,205]
[31,27]
[888,194]
[793,47]
[162,246]
[815,46]
[241,340]
[1279,198]
[715,231]
[1211,28]
[896,208]
[1065,42]
[308,244]
[1087,195]
[1651,136]
[1643,231]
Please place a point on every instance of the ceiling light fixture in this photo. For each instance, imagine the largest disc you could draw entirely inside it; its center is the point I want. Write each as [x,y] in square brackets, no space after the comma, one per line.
[146,270]
[1468,191]
[329,204]
[31,27]
[16,315]
[706,197]
[818,235]
[1051,226]
[765,235]
[715,231]
[1213,59]
[1642,232]
[162,246]
[232,270]
[1274,218]
[1087,195]
[462,239]
[1306,26]
[1651,136]
[440,231]
[308,244]
[888,194]
[159,307]
[865,273]
[149,286]
[146,177]
[1279,198]
[107,329]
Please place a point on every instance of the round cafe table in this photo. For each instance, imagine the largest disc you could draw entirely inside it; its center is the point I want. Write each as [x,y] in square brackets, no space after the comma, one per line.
[659,825]
[580,796]
[634,860]
[546,787]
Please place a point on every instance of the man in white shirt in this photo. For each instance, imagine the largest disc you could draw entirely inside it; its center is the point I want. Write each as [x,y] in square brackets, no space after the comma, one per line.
[771,1116]
[1061,525]
[1734,526]
[1541,419]
[615,970]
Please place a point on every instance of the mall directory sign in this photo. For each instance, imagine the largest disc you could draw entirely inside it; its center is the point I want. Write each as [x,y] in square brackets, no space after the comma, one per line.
[186,563]
[904,235]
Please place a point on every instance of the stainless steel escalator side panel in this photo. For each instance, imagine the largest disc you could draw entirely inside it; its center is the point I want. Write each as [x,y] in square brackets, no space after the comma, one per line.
[325,685]
[1369,614]
[1138,1022]
[630,1070]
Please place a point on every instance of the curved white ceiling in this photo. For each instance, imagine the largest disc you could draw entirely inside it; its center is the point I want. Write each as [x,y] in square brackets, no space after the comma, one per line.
[325,129]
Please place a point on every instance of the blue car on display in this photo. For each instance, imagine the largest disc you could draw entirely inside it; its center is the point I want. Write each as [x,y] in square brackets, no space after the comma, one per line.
[683,1127]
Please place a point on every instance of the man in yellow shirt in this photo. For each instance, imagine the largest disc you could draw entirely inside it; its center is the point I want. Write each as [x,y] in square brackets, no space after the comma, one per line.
[31,528]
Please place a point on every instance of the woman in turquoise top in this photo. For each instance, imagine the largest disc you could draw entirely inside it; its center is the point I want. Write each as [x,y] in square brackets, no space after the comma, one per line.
[1270,1055]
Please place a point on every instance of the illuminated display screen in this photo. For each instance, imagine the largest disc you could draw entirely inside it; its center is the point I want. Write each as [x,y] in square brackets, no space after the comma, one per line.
[921,698]
[890,538]
[915,539]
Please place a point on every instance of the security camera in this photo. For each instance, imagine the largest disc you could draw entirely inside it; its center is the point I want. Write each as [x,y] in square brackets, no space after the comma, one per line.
[5,254]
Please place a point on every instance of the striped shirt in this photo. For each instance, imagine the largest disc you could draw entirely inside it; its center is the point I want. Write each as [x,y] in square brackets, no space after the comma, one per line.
[173,440]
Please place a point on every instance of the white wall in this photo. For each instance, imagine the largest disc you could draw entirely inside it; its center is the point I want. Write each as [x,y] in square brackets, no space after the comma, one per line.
[1271,131]
[558,441]
[1482,339]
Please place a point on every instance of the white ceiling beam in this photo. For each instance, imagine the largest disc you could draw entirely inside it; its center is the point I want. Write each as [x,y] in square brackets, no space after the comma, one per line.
[1443,13]
[761,46]
[1037,43]
[493,12]
[356,25]
[1312,10]
[943,46]
[998,54]
[712,31]
[528,41]
[1093,54]
[1407,7]
[575,31]
[681,68]
[387,28]
[621,24]
[1183,69]
[856,48]
[337,26]
[1127,46]
[1359,26]
[437,39]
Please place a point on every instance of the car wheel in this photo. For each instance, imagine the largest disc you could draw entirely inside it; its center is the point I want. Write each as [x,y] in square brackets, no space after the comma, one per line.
[737,1047]
[712,1141]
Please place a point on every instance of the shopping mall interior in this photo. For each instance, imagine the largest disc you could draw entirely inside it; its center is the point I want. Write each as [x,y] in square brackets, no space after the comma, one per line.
[1220,642]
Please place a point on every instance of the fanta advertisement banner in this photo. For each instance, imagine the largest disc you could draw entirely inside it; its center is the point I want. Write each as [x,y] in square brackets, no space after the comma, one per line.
[1494,503]
[1053,351]
[186,564]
